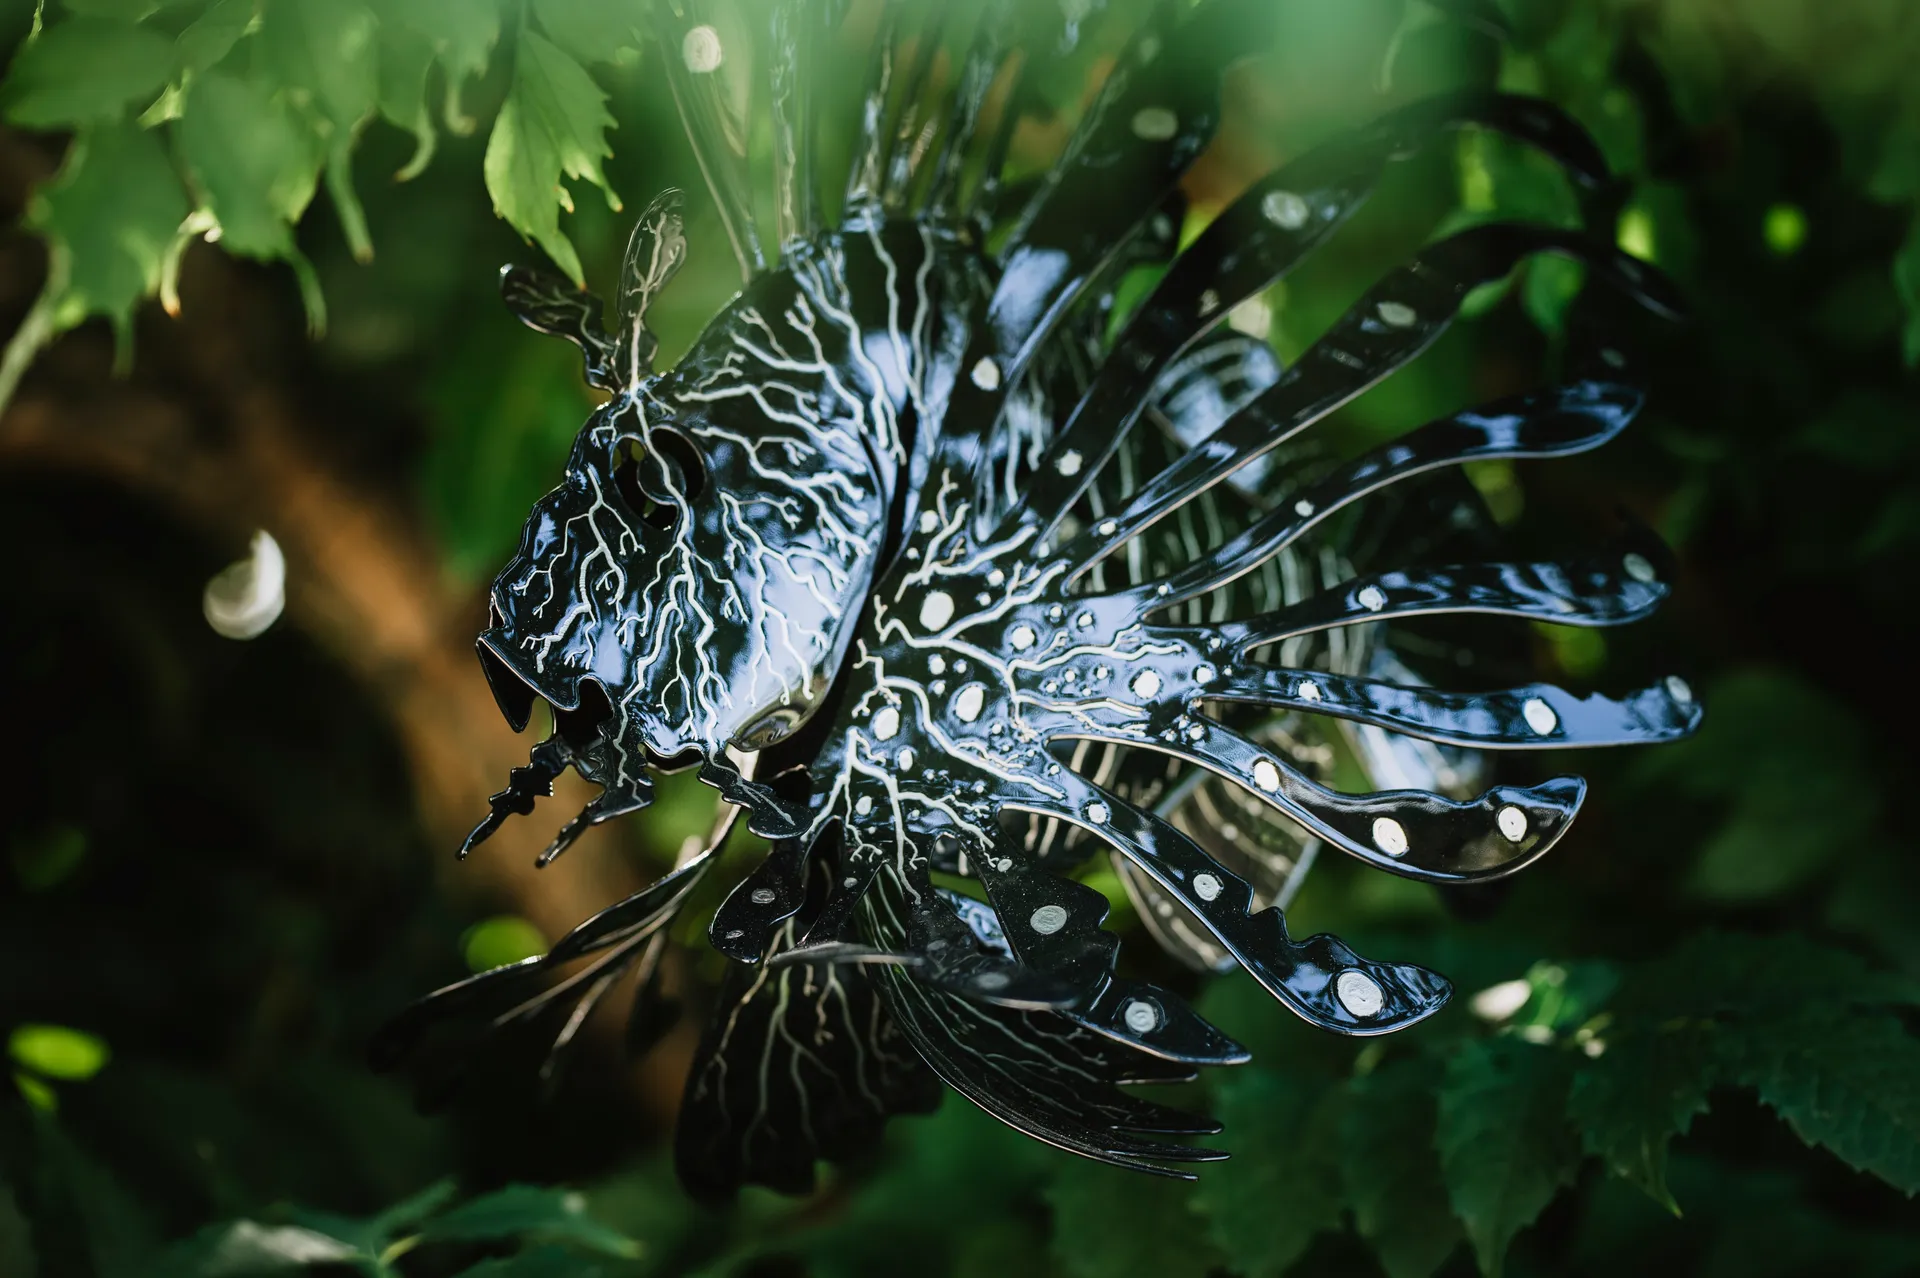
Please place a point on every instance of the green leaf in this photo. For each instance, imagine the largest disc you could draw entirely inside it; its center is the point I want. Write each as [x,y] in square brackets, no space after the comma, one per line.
[552,1215]
[113,211]
[214,33]
[593,30]
[85,1221]
[1846,1081]
[374,1236]
[16,1240]
[984,1175]
[240,1248]
[1500,177]
[1644,1088]
[1862,429]
[251,162]
[1005,1248]
[1759,1219]
[496,942]
[406,57]
[553,122]
[1113,1223]
[84,69]
[539,1262]
[1793,769]
[1505,1147]
[506,413]
[58,1052]
[118,10]
[1550,285]
[1906,279]
[411,1210]
[1784,228]
[1729,972]
[1711,1011]
[462,33]
[1777,839]
[1392,1172]
[36,1092]
[1282,1186]
[323,52]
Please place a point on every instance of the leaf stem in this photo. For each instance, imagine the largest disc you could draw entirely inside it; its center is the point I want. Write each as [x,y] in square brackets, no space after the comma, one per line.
[37,329]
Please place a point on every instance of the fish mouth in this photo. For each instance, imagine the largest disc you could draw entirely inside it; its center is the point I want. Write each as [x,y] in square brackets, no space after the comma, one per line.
[583,717]
[514,695]
[581,708]
[584,720]
[515,689]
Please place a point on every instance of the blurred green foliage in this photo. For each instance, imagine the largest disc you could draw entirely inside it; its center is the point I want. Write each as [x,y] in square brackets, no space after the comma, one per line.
[498,941]
[1702,1003]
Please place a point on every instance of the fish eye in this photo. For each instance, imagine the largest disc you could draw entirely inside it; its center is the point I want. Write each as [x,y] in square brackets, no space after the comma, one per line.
[630,464]
[678,452]
[633,474]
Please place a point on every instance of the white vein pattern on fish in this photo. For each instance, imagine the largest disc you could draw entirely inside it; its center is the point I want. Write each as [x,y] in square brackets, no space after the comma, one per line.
[934,561]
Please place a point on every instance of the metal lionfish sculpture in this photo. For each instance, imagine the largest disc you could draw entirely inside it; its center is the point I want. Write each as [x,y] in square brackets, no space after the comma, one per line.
[935,563]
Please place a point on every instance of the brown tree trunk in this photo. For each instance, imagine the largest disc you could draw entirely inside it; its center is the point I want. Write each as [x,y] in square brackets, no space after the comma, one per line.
[208,428]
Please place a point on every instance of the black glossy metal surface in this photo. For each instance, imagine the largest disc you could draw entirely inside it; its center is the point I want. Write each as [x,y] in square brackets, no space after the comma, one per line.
[925,575]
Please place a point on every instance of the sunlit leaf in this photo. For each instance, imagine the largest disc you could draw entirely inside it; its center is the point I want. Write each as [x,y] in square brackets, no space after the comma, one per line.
[56,1051]
[251,162]
[243,1248]
[553,122]
[1550,286]
[36,1092]
[323,52]
[1784,228]
[405,59]
[1635,234]
[1500,178]
[462,32]
[214,33]
[593,30]
[499,941]
[84,69]
[114,210]
[119,10]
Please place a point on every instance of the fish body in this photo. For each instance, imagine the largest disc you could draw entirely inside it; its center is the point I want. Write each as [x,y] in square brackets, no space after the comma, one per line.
[936,557]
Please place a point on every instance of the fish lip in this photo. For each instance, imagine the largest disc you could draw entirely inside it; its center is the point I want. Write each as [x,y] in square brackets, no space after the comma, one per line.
[512,693]
[517,690]
[580,711]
